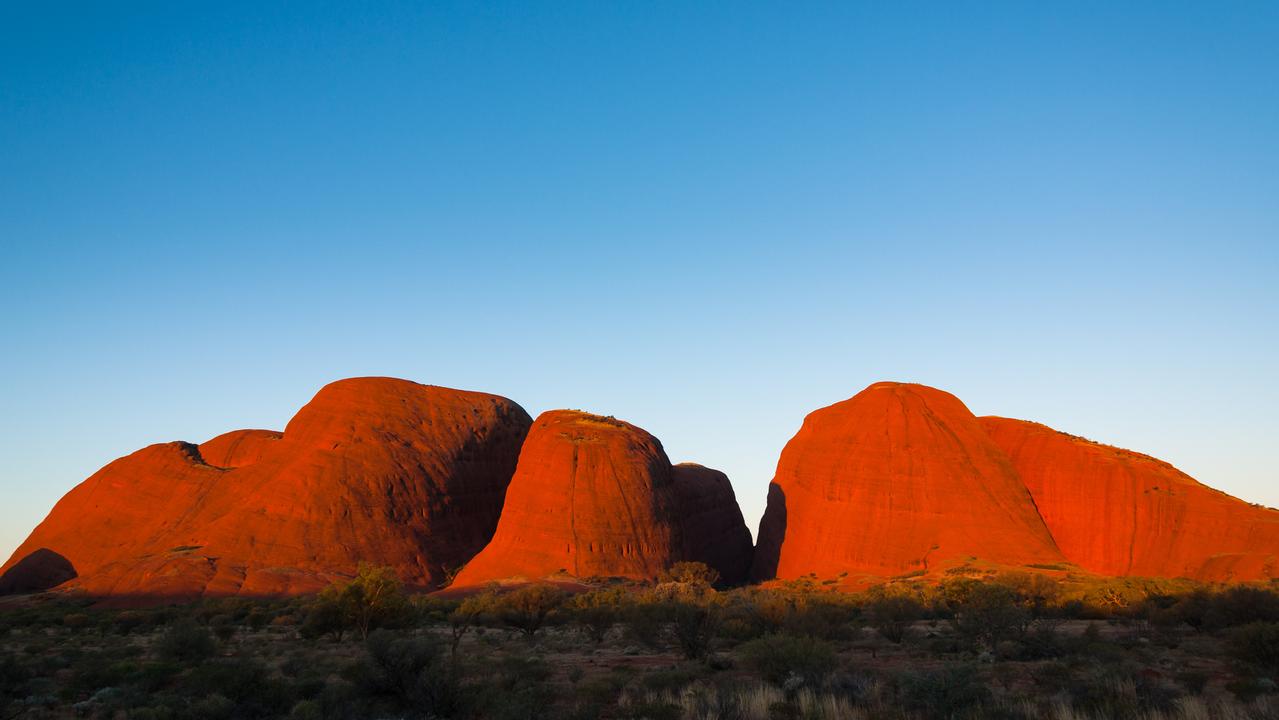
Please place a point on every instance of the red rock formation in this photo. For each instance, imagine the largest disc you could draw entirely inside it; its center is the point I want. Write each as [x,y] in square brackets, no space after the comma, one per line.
[36,572]
[898,479]
[1116,512]
[238,447]
[711,521]
[594,496]
[372,469]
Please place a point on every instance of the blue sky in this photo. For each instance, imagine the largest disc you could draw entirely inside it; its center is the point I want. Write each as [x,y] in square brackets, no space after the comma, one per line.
[705,218]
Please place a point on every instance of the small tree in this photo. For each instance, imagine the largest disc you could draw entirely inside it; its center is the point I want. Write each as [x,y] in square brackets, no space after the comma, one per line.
[527,608]
[465,617]
[327,615]
[990,614]
[374,597]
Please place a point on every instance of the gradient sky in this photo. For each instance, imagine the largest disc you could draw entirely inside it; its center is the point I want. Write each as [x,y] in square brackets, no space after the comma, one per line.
[705,218]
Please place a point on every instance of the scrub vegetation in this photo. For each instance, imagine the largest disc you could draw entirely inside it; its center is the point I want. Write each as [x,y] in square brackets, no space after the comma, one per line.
[995,645]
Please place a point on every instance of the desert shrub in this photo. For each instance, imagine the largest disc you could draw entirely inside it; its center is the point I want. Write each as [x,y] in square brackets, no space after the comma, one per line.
[1043,643]
[776,657]
[694,626]
[1035,592]
[1241,605]
[604,689]
[517,691]
[1192,608]
[307,710]
[411,673]
[944,693]
[223,627]
[252,688]
[599,610]
[127,621]
[259,617]
[75,621]
[646,624]
[670,679]
[326,616]
[212,707]
[690,573]
[820,617]
[1119,691]
[892,614]
[990,614]
[528,608]
[752,612]
[14,675]
[186,642]
[1194,681]
[1256,644]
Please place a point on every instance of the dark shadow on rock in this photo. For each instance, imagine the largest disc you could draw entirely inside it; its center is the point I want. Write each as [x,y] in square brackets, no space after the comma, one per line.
[41,570]
[772,533]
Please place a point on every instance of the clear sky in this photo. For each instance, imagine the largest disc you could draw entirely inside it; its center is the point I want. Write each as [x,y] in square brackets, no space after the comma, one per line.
[704,218]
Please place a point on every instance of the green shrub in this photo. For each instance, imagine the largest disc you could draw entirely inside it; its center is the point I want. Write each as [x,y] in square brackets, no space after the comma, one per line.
[892,614]
[213,707]
[186,642]
[776,657]
[646,624]
[820,618]
[517,691]
[411,673]
[528,608]
[944,693]
[1241,605]
[694,626]
[990,614]
[599,610]
[1256,644]
[252,688]
[223,627]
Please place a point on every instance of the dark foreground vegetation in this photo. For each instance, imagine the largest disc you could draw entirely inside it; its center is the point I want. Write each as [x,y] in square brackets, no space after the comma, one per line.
[1011,645]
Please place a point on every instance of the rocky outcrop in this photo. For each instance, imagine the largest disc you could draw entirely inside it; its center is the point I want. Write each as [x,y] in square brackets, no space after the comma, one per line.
[238,447]
[597,497]
[1117,512]
[899,479]
[711,521]
[372,469]
[37,571]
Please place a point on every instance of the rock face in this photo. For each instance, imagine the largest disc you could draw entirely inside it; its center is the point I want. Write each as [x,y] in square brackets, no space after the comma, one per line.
[36,572]
[714,531]
[372,469]
[238,447]
[1116,512]
[900,478]
[597,497]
